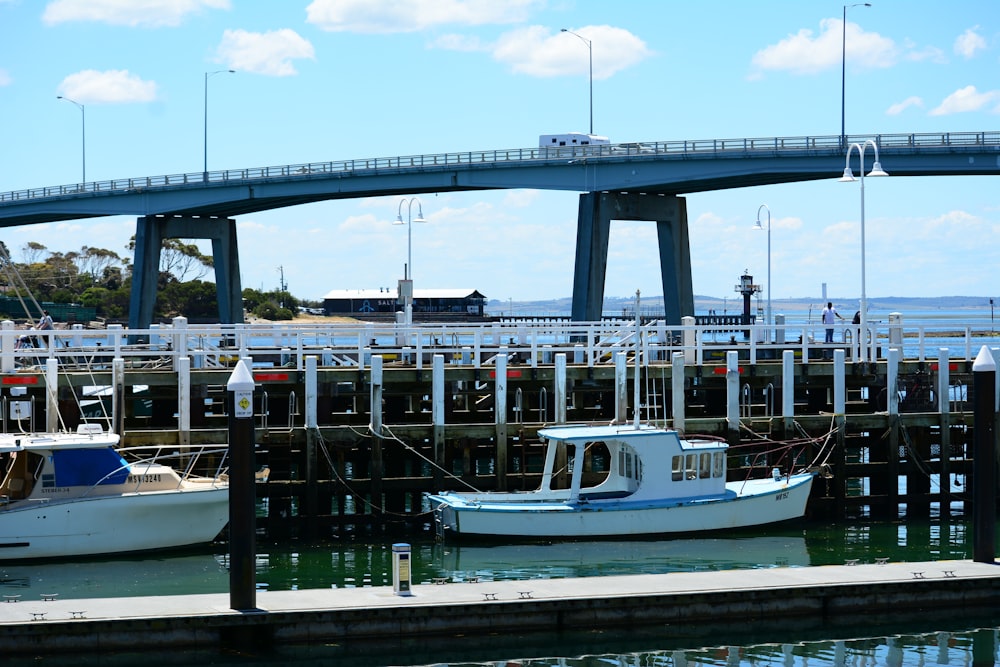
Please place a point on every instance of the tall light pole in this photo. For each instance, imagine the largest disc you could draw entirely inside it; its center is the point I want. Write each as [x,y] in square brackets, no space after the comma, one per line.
[408,272]
[83,131]
[848,177]
[590,51]
[758,225]
[207,76]
[843,69]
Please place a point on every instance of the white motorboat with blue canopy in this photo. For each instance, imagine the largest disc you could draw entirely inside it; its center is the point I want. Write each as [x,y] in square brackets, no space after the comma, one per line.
[77,493]
[653,482]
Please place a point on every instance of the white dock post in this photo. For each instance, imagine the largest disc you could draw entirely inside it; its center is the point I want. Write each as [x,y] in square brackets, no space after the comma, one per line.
[779,329]
[788,387]
[839,383]
[51,395]
[944,382]
[500,417]
[891,380]
[118,395]
[621,388]
[8,339]
[312,392]
[677,390]
[184,400]
[312,430]
[180,339]
[733,392]
[689,339]
[560,388]
[437,411]
[375,423]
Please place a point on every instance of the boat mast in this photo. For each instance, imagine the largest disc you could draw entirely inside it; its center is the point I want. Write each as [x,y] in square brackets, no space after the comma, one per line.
[638,346]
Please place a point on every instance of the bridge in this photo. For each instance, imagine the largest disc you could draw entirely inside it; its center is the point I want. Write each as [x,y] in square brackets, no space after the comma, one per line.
[633,181]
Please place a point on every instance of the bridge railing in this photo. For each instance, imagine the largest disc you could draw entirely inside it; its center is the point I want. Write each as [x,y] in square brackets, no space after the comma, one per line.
[653,149]
[526,342]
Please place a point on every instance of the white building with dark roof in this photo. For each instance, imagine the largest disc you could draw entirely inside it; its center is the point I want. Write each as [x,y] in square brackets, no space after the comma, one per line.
[361,302]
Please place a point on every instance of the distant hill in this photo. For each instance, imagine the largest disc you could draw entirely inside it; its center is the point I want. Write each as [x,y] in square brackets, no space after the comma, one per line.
[563,306]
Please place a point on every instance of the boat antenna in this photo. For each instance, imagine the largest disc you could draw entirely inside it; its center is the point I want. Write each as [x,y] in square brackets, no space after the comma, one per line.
[638,348]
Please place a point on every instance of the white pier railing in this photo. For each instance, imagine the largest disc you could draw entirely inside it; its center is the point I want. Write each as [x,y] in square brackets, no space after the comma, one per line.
[527,342]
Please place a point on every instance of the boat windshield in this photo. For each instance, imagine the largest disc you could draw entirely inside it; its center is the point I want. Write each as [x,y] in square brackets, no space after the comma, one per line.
[87,467]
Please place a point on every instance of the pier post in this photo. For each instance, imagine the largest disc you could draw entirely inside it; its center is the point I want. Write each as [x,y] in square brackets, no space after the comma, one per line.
[500,417]
[51,394]
[312,431]
[242,493]
[118,395]
[184,400]
[621,388]
[788,388]
[560,388]
[890,480]
[438,416]
[984,458]
[375,427]
[839,384]
[677,390]
[733,395]
[8,339]
[944,405]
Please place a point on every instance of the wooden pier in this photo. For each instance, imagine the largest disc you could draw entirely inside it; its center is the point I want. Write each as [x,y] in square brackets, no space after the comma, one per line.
[353,434]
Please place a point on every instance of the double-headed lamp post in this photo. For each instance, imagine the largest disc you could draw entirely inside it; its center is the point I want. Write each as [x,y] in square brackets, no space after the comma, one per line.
[843,68]
[590,51]
[758,225]
[208,75]
[848,177]
[83,132]
[408,272]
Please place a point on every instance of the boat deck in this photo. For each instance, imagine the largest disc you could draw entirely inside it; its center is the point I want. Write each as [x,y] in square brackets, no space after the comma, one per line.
[820,595]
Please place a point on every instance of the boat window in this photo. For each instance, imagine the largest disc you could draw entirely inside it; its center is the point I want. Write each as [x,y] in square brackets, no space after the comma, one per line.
[691,466]
[677,468]
[705,466]
[719,469]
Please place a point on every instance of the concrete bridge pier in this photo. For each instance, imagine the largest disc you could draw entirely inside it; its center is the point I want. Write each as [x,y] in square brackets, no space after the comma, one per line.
[597,210]
[150,231]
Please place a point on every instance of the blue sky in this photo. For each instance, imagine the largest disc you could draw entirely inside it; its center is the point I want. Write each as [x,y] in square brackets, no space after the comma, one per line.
[338,79]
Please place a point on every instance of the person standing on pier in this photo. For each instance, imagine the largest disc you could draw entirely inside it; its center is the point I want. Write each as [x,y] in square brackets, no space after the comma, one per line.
[828,314]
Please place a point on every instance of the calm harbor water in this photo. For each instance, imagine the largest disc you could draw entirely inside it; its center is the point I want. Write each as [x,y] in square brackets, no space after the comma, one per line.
[922,639]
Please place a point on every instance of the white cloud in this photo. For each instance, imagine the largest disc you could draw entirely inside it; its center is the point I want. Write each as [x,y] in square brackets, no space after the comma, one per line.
[5,79]
[394,16]
[806,53]
[455,42]
[537,51]
[969,43]
[900,107]
[270,53]
[132,13]
[965,99]
[109,87]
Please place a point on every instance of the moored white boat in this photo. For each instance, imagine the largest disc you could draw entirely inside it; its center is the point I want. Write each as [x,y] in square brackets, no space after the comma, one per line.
[78,494]
[652,482]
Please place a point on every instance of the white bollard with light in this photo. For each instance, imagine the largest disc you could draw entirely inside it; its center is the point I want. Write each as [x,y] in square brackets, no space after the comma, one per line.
[401,569]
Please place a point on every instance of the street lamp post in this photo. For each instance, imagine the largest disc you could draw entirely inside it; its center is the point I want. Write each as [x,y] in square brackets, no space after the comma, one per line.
[847,178]
[843,68]
[408,270]
[590,51]
[207,76]
[758,225]
[83,131]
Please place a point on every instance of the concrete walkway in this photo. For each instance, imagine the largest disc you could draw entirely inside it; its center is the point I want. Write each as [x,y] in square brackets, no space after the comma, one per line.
[344,613]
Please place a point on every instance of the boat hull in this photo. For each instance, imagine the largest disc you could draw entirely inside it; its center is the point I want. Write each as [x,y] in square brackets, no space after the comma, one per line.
[113,524]
[746,504]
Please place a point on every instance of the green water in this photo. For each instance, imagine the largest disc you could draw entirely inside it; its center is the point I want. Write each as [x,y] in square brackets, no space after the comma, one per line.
[355,563]
[909,638]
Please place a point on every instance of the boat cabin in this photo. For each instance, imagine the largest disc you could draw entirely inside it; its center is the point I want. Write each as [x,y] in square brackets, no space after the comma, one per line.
[638,463]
